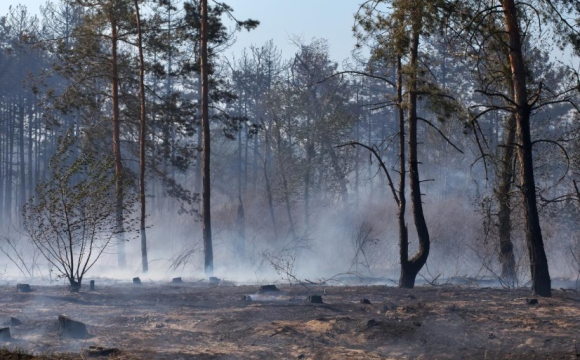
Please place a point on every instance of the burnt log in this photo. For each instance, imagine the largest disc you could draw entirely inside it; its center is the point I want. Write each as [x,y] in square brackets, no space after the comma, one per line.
[5,334]
[96,351]
[532,301]
[314,299]
[365,301]
[23,288]
[177,280]
[268,288]
[136,281]
[71,328]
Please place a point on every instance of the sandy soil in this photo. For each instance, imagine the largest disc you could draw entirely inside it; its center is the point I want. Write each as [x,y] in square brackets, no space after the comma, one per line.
[200,321]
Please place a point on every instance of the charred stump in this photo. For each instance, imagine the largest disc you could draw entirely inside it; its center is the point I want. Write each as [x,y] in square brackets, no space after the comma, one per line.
[92,285]
[214,280]
[268,288]
[314,299]
[136,281]
[23,288]
[177,280]
[75,286]
[96,351]
[15,322]
[71,328]
[5,334]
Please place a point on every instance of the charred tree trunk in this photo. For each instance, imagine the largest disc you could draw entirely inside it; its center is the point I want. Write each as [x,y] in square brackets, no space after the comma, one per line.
[506,247]
[411,267]
[241,228]
[403,231]
[268,182]
[117,143]
[198,159]
[541,283]
[282,167]
[206,192]
[142,137]
[22,199]
[307,176]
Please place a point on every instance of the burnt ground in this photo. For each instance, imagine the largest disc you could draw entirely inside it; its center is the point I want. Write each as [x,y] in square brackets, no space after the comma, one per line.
[199,321]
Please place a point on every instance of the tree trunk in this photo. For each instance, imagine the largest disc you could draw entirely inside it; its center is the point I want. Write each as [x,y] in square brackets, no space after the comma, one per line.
[268,183]
[404,279]
[206,193]
[117,144]
[197,178]
[541,283]
[9,161]
[142,137]
[241,229]
[506,247]
[410,268]
[22,163]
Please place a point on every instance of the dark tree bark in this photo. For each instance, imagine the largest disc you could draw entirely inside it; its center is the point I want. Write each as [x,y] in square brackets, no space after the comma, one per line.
[142,137]
[403,231]
[410,268]
[206,192]
[241,228]
[541,283]
[506,247]
[117,141]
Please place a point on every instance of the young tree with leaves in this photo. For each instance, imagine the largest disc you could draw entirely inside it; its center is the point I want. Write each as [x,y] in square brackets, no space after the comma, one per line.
[71,219]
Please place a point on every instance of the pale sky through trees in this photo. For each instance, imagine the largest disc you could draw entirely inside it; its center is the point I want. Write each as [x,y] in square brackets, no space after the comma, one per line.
[280,20]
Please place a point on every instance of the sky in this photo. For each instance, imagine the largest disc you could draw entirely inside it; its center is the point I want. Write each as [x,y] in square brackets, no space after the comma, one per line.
[280,21]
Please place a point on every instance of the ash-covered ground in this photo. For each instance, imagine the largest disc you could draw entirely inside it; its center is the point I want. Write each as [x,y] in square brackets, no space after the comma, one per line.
[196,320]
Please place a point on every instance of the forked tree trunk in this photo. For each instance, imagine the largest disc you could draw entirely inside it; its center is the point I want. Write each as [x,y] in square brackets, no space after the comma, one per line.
[142,136]
[411,267]
[206,192]
[541,283]
[403,231]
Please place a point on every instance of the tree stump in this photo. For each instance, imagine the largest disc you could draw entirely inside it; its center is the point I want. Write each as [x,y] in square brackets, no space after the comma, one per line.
[365,301]
[71,328]
[75,286]
[532,301]
[314,299]
[15,322]
[214,280]
[4,333]
[268,288]
[177,280]
[136,281]
[92,285]
[23,288]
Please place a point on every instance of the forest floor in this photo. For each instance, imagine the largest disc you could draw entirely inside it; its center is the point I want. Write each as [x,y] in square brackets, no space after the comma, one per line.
[200,321]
